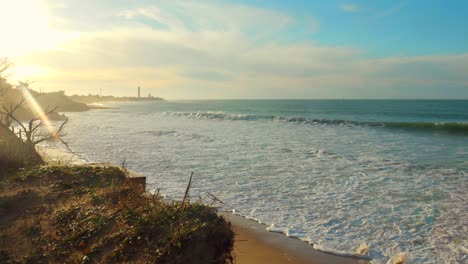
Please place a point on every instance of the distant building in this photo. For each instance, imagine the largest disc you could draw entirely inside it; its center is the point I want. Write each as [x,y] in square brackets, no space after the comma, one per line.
[138,91]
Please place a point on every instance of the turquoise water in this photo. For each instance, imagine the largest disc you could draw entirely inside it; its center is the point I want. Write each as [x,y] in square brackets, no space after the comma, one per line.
[392,174]
[441,124]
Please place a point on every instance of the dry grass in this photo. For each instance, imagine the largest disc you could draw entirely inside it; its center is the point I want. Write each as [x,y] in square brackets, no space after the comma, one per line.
[14,154]
[85,214]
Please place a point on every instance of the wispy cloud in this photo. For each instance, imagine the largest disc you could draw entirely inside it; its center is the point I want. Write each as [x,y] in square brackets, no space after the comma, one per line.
[350,8]
[214,51]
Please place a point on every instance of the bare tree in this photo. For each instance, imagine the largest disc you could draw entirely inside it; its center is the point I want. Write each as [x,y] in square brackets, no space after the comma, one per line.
[5,121]
[5,63]
[20,135]
[33,132]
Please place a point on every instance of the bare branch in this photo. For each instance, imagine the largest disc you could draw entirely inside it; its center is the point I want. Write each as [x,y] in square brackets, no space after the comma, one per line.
[66,145]
[62,126]
[57,135]
[31,129]
[14,107]
[36,125]
[187,190]
[10,115]
[50,111]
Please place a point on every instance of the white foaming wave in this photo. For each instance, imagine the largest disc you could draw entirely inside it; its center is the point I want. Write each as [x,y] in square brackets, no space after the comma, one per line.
[340,253]
[393,257]
[336,193]
[212,115]
[220,115]
[399,258]
[289,232]
[449,128]
[273,228]
[449,237]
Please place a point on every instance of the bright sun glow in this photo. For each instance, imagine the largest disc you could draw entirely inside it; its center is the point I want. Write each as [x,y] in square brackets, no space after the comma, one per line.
[25,27]
[28,72]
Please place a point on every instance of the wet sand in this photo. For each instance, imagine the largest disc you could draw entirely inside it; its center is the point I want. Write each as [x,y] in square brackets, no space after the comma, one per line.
[253,244]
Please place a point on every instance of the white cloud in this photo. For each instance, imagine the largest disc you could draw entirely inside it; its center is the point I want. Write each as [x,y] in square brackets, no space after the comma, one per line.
[199,16]
[227,51]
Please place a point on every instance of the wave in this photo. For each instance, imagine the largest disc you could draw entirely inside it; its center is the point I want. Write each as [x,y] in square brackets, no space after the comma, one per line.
[216,115]
[452,127]
[447,127]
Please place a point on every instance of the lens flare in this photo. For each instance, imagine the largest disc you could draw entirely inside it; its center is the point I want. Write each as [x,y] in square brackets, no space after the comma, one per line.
[37,109]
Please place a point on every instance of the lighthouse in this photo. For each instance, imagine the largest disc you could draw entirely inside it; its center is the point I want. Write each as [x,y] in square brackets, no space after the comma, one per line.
[138,91]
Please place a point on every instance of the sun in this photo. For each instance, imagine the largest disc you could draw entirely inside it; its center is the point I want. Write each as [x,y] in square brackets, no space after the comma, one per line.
[25,26]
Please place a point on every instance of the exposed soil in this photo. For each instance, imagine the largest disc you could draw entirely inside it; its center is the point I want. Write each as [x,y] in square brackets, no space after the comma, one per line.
[93,214]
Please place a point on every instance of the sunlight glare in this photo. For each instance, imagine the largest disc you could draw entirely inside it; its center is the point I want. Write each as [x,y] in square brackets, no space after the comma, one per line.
[25,25]
[38,111]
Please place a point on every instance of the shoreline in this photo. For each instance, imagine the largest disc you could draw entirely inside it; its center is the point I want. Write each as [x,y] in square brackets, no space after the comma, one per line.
[59,156]
[253,242]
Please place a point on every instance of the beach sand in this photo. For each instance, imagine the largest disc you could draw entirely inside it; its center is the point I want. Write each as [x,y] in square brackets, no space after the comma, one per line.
[248,249]
[253,244]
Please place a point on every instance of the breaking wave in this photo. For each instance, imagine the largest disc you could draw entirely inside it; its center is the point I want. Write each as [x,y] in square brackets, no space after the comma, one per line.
[446,127]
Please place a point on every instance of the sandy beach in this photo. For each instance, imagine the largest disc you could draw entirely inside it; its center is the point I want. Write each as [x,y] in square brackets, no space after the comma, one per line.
[253,244]
[250,249]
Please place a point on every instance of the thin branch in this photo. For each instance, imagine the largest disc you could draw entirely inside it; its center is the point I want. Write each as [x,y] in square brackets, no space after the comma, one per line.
[66,145]
[62,126]
[10,115]
[188,188]
[37,125]
[54,135]
[50,111]
[14,108]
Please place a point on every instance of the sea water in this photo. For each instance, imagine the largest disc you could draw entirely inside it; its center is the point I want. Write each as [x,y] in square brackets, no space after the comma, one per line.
[392,174]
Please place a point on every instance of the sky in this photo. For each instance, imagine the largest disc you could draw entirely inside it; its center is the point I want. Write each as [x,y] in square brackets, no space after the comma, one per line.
[239,49]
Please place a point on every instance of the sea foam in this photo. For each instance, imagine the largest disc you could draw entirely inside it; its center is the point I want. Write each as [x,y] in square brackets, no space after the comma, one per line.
[332,185]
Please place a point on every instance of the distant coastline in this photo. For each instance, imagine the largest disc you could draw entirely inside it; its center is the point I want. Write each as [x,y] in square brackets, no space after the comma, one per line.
[93,99]
[64,103]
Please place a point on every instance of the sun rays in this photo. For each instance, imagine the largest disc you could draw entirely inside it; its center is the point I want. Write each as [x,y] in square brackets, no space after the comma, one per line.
[37,109]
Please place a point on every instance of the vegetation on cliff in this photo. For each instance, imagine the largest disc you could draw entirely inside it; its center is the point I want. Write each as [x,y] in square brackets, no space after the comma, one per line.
[88,214]
[94,214]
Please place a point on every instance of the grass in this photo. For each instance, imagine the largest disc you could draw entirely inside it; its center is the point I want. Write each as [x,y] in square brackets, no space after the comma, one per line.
[92,214]
[15,154]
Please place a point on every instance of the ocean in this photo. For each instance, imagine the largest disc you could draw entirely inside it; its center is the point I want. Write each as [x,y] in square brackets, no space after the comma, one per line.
[389,174]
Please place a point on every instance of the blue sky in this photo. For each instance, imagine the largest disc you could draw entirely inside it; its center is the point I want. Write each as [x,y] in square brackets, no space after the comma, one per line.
[241,49]
[382,28]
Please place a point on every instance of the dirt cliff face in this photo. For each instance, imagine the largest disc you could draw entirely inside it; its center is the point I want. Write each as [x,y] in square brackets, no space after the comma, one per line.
[92,214]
